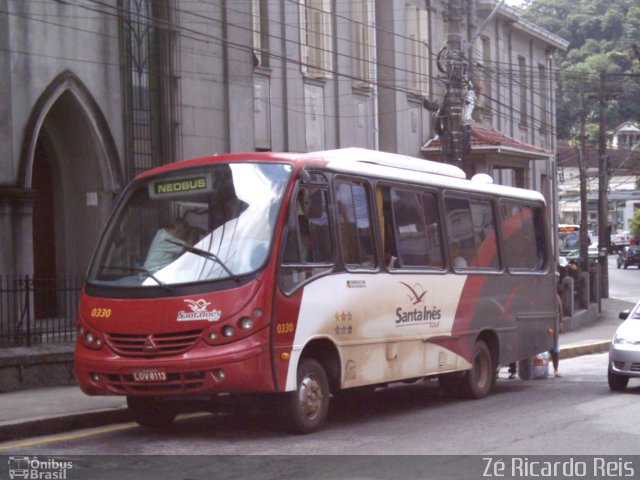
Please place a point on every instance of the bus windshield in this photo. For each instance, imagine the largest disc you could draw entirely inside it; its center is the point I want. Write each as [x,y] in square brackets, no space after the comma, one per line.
[568,238]
[192,225]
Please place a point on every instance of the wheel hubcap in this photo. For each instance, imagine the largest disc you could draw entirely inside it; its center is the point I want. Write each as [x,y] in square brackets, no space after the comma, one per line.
[310,397]
[481,370]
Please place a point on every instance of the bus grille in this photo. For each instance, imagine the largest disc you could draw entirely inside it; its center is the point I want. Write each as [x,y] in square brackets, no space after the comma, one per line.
[152,345]
[184,382]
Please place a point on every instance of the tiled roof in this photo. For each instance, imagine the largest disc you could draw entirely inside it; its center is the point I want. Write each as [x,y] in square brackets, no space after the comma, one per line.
[490,137]
[619,159]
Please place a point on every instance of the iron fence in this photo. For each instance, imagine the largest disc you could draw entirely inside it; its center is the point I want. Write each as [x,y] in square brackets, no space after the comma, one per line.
[35,310]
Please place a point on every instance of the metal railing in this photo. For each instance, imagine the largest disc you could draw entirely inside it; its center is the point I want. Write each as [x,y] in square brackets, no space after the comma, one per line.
[36,310]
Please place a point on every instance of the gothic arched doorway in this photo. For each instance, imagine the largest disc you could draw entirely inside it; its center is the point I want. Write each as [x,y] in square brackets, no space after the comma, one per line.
[72,167]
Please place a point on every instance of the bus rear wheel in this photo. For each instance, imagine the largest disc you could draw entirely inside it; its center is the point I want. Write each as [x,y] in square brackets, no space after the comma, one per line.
[306,408]
[474,383]
[151,412]
[481,377]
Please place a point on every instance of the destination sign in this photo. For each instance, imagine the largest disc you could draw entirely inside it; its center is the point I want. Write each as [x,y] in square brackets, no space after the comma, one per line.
[180,186]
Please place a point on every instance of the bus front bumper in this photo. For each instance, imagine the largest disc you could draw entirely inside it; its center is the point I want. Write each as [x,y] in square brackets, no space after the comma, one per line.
[241,368]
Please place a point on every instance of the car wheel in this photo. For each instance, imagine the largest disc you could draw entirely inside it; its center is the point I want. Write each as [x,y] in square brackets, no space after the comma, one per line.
[150,412]
[617,382]
[306,408]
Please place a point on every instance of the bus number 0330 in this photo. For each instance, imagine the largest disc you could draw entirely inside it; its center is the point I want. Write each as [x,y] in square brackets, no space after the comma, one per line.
[284,328]
[100,312]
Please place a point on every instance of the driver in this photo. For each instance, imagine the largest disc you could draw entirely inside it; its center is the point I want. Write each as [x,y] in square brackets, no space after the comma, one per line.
[166,244]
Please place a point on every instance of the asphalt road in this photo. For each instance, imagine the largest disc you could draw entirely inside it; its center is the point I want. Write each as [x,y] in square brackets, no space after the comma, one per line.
[623,283]
[575,414]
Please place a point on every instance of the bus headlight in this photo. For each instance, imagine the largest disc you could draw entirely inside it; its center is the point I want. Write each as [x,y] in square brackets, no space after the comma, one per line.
[246,323]
[228,331]
[89,339]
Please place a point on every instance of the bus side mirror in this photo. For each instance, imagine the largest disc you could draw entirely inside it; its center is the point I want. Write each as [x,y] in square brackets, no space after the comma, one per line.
[624,314]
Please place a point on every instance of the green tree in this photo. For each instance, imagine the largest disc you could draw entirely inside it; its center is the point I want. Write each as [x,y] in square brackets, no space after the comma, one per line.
[634,223]
[603,37]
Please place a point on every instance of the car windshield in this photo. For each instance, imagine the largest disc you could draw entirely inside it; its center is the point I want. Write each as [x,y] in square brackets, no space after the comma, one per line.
[192,225]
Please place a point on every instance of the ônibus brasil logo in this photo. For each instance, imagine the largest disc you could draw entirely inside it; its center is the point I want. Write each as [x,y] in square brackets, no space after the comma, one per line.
[419,315]
[33,468]
[199,311]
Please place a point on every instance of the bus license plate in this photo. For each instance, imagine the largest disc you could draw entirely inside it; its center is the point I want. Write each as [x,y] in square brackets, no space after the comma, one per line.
[150,375]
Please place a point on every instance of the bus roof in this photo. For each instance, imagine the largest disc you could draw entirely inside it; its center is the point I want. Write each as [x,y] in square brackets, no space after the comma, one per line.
[361,161]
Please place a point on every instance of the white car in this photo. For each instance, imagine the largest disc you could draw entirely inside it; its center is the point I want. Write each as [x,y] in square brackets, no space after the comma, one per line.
[624,352]
[592,251]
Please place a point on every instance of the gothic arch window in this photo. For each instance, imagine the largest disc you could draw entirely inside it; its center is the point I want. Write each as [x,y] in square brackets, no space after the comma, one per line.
[146,68]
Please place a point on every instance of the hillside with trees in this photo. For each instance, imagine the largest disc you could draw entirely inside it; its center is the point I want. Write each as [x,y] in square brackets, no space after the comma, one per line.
[604,36]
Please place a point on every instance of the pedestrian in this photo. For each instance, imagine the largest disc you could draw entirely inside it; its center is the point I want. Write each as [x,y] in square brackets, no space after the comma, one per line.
[555,351]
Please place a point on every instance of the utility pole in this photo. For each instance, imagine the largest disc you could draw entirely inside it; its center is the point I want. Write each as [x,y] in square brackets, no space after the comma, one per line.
[455,70]
[582,160]
[603,186]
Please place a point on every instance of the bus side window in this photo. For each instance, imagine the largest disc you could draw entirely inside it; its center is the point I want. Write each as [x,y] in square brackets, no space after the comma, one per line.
[433,231]
[308,249]
[472,234]
[523,234]
[387,229]
[355,226]
[410,228]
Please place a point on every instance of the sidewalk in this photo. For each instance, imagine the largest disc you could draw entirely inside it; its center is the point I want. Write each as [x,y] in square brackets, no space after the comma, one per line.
[45,411]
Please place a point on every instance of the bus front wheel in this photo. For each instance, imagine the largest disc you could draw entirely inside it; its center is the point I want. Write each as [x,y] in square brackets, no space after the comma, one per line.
[150,412]
[306,408]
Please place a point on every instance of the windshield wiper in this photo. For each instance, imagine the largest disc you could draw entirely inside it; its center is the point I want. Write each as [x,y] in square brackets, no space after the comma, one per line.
[206,254]
[138,270]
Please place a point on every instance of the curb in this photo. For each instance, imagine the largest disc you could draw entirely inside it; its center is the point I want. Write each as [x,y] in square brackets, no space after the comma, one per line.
[62,423]
[579,349]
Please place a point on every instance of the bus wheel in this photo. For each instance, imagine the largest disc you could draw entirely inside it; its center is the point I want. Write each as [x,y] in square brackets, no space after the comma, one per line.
[306,408]
[481,377]
[150,412]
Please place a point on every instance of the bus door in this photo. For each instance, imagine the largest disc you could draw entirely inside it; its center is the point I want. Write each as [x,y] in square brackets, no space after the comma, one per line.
[306,254]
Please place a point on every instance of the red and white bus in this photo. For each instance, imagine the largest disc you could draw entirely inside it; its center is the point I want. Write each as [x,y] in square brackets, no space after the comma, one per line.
[301,275]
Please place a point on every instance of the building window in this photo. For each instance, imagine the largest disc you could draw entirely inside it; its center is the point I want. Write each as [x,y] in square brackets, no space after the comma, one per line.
[316,38]
[544,99]
[418,50]
[486,75]
[364,41]
[259,12]
[143,68]
[522,83]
